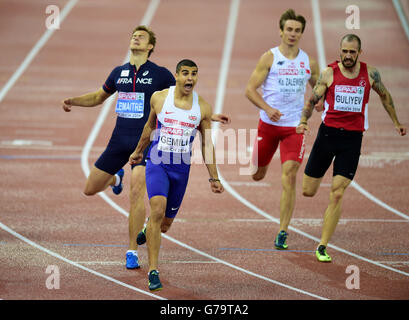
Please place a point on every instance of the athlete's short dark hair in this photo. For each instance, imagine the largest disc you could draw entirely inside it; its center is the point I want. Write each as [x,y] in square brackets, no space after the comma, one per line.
[351,37]
[152,37]
[185,63]
[291,15]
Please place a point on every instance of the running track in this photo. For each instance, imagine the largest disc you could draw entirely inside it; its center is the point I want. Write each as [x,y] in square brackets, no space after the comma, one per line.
[220,247]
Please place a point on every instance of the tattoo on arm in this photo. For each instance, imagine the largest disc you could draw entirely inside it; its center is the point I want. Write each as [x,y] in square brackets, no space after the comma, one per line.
[384,94]
[377,83]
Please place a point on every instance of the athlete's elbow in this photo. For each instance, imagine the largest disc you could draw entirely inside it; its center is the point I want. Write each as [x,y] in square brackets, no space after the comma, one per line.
[249,92]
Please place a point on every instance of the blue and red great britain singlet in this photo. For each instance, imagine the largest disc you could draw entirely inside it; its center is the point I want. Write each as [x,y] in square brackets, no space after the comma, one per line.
[175,132]
[346,100]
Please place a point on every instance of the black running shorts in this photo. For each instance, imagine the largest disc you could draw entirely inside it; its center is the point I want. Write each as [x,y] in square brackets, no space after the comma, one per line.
[342,146]
[116,155]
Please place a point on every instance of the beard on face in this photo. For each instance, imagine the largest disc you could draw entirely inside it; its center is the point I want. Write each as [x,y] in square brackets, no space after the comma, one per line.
[350,62]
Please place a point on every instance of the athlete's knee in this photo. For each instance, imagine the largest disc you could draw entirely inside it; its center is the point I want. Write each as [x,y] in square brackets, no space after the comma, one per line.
[308,193]
[259,174]
[289,178]
[164,228]
[337,195]
[166,223]
[89,191]
[310,185]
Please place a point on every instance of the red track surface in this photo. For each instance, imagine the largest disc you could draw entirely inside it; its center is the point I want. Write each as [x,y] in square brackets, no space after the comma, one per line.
[41,187]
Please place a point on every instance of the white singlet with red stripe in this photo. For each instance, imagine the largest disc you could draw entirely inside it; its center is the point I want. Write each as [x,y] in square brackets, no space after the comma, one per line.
[284,87]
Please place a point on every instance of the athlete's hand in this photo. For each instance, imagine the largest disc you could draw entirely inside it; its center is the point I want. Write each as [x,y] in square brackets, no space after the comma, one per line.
[319,106]
[135,158]
[221,118]
[274,114]
[216,186]
[302,128]
[66,105]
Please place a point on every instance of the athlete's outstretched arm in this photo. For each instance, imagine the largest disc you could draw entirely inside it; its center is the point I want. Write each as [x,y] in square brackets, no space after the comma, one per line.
[208,152]
[386,99]
[219,117]
[317,93]
[91,99]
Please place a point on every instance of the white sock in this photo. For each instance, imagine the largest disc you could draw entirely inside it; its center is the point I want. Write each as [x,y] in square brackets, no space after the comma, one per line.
[134,252]
[118,180]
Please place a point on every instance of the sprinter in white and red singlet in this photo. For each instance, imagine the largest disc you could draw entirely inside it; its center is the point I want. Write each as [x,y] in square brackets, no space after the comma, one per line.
[282,73]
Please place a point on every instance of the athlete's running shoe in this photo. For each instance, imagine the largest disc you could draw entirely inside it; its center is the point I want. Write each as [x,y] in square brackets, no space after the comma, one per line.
[141,238]
[118,189]
[132,261]
[281,240]
[154,282]
[322,254]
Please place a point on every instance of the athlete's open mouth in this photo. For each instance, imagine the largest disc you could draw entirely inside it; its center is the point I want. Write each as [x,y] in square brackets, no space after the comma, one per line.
[188,86]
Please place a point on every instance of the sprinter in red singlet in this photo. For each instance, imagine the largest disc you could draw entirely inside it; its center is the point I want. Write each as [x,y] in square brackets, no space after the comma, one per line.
[346,85]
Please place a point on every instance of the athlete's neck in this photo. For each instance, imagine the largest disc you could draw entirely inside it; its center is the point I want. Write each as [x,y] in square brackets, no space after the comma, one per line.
[183,99]
[138,58]
[290,52]
[352,72]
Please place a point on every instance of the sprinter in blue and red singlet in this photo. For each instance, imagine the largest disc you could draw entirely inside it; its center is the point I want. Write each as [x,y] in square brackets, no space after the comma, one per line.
[177,114]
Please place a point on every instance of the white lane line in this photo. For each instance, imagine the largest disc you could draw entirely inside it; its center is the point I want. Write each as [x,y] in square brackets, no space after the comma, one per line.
[402,17]
[234,193]
[34,51]
[377,201]
[323,65]
[234,10]
[322,60]
[75,264]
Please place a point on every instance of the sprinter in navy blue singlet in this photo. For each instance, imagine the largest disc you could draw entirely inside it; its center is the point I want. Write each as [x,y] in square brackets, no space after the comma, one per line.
[135,88]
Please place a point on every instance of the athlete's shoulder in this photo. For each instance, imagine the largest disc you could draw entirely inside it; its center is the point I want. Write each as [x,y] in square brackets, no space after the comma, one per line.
[160,94]
[157,67]
[123,66]
[266,60]
[118,69]
[327,71]
[205,107]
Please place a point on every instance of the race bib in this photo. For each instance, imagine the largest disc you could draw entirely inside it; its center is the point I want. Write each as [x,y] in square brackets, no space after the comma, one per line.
[348,98]
[130,105]
[291,83]
[174,140]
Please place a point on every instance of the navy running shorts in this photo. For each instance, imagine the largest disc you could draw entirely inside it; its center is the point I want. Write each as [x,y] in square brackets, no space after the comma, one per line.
[121,145]
[161,181]
[342,146]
